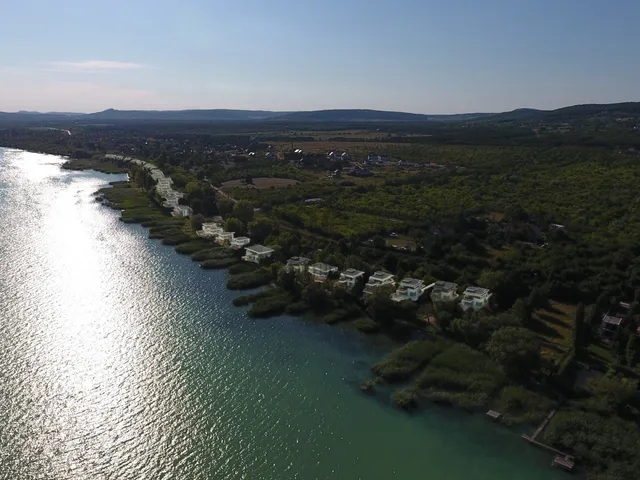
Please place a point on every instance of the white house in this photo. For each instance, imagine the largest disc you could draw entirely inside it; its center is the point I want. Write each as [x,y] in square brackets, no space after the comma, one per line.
[409,289]
[320,271]
[475,297]
[239,242]
[379,279]
[257,253]
[224,237]
[349,277]
[182,211]
[297,264]
[444,292]
[210,230]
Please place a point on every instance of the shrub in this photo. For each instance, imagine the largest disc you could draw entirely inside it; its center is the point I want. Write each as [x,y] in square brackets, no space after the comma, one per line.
[404,361]
[192,247]
[245,281]
[366,325]
[243,267]
[269,306]
[216,253]
[407,398]
[218,263]
[336,316]
[297,308]
[176,239]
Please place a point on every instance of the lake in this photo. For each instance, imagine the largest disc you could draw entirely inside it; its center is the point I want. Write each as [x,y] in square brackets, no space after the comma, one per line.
[120,359]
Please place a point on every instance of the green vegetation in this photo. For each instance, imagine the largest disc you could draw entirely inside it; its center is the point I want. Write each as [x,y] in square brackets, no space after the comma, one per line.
[245,281]
[408,359]
[242,268]
[218,263]
[98,164]
[193,246]
[216,253]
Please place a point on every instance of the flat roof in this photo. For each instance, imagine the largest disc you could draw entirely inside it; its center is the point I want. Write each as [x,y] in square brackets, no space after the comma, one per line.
[323,266]
[298,260]
[411,282]
[259,249]
[445,286]
[381,275]
[242,238]
[476,290]
[352,272]
[611,320]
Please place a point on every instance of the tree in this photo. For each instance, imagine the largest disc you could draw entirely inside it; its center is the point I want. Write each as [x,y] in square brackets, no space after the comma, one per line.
[243,210]
[578,336]
[197,221]
[248,179]
[381,308]
[379,241]
[225,207]
[631,352]
[539,297]
[316,296]
[516,349]
[445,319]
[523,311]
[616,393]
[261,229]
[234,225]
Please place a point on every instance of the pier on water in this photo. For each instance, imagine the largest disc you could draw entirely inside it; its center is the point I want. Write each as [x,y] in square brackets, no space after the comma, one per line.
[562,460]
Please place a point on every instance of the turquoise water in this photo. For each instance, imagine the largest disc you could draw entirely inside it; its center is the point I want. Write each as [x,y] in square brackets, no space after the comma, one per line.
[120,359]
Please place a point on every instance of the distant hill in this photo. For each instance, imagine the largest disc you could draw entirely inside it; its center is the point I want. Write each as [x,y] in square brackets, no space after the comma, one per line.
[566,114]
[218,115]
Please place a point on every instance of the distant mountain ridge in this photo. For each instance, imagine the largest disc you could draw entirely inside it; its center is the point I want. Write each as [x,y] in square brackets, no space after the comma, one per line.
[328,116]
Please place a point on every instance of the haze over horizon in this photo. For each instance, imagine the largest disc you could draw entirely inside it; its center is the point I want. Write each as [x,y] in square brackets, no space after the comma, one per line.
[421,56]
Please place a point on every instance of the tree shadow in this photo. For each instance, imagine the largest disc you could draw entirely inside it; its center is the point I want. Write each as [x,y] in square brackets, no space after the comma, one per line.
[555,321]
[544,330]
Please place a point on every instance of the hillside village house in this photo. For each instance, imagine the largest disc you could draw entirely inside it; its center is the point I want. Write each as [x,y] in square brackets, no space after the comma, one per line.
[610,326]
[409,289]
[297,264]
[209,230]
[475,297]
[349,277]
[444,292]
[224,237]
[182,211]
[320,271]
[257,253]
[377,280]
[239,242]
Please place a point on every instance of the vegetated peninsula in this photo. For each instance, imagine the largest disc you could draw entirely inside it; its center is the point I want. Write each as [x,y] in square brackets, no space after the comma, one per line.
[500,251]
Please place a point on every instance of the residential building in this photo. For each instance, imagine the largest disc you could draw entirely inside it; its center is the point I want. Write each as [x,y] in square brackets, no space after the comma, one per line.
[444,292]
[257,253]
[224,237]
[409,289]
[475,297]
[182,211]
[349,277]
[377,280]
[298,264]
[610,326]
[320,271]
[209,230]
[239,242]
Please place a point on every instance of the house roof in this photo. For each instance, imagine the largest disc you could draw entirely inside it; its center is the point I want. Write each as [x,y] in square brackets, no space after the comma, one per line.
[352,272]
[298,261]
[380,275]
[611,320]
[476,291]
[243,239]
[323,267]
[441,286]
[411,282]
[259,249]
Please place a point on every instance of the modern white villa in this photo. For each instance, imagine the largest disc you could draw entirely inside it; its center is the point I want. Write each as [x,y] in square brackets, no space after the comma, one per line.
[239,242]
[377,280]
[349,277]
[298,264]
[182,211]
[209,230]
[320,271]
[444,292]
[409,289]
[225,237]
[475,297]
[257,253]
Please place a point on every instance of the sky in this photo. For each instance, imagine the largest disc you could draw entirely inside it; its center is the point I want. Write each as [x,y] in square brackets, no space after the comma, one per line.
[423,56]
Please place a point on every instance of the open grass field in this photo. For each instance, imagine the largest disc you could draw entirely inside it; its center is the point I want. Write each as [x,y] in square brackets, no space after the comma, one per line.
[259,183]
[554,326]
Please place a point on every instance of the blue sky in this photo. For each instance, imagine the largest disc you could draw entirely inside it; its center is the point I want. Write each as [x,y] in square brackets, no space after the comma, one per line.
[427,56]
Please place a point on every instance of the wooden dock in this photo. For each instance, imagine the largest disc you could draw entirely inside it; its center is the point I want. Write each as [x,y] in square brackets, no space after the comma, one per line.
[493,414]
[541,427]
[567,462]
[562,459]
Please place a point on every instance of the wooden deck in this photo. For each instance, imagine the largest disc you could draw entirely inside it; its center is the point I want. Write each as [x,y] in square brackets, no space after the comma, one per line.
[562,459]
[566,462]
[493,414]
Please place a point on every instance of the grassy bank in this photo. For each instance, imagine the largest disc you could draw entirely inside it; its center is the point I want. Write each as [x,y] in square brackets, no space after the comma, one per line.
[136,205]
[98,164]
